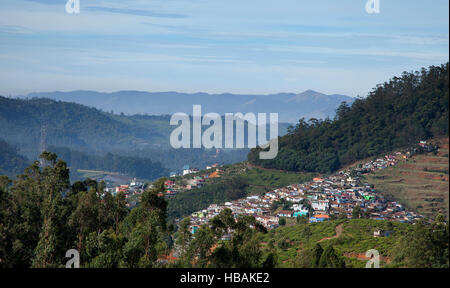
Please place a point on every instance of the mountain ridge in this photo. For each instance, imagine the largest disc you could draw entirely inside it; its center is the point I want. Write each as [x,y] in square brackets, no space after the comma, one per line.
[308,104]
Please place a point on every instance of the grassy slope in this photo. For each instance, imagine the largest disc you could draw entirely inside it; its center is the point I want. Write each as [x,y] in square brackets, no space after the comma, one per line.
[421,183]
[263,180]
[356,237]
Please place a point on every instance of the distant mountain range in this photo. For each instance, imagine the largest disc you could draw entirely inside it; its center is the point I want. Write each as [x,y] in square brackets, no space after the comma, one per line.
[290,106]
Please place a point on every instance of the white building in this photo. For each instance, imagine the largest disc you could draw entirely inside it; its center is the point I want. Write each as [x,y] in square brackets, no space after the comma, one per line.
[320,205]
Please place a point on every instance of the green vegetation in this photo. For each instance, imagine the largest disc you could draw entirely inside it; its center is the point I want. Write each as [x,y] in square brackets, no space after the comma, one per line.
[75,129]
[42,216]
[243,250]
[263,180]
[11,163]
[303,245]
[330,244]
[133,166]
[395,114]
[68,124]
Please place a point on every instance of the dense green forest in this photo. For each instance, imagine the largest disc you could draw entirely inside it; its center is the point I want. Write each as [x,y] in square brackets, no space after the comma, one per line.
[132,166]
[42,216]
[68,124]
[395,114]
[305,245]
[11,162]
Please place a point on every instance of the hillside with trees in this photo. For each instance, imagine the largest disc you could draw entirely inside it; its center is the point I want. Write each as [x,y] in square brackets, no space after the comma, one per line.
[11,162]
[94,132]
[396,114]
[76,126]
[343,243]
[139,167]
[42,216]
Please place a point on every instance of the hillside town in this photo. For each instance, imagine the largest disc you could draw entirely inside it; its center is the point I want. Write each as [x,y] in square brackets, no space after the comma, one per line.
[323,198]
[195,179]
[134,188]
[132,191]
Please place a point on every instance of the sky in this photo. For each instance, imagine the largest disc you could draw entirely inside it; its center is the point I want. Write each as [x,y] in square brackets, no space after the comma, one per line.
[217,46]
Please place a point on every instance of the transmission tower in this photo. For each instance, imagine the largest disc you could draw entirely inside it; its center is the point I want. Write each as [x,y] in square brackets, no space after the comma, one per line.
[43,147]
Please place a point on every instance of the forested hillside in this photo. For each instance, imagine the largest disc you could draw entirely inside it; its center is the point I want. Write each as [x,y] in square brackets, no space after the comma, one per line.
[344,242]
[395,114]
[142,168]
[75,126]
[11,162]
[39,224]
[96,133]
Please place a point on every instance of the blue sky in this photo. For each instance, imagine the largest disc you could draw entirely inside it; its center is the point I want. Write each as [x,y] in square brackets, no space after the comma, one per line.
[237,46]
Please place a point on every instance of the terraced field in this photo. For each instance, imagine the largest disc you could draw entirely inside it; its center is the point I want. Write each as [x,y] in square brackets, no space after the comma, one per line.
[350,238]
[421,182]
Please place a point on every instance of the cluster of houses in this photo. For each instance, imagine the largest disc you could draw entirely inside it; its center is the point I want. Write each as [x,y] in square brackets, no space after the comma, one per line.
[323,198]
[134,188]
[191,170]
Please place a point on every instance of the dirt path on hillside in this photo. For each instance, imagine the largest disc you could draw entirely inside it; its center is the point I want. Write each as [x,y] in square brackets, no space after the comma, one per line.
[339,230]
